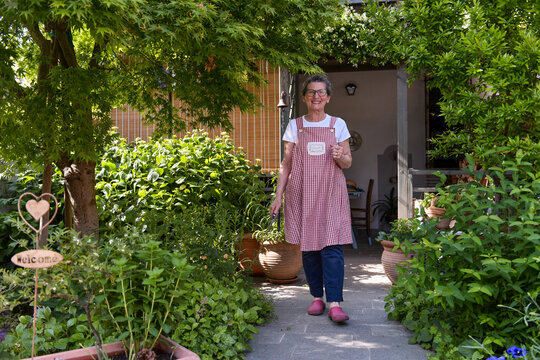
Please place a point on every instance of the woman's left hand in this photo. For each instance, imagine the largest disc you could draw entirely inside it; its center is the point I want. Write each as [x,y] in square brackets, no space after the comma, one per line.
[337,151]
[341,153]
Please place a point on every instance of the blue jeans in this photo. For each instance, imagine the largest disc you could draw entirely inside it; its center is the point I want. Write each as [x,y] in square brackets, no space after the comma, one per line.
[325,267]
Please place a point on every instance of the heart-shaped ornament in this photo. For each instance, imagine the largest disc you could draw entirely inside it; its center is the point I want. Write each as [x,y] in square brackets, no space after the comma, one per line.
[37,208]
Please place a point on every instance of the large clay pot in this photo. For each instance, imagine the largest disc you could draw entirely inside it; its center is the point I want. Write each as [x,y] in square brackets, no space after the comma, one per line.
[280,261]
[177,352]
[248,260]
[391,258]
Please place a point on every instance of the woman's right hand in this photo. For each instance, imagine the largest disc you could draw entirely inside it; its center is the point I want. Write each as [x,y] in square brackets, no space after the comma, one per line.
[274,208]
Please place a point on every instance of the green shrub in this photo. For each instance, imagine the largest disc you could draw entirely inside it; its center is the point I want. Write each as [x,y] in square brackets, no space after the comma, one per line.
[530,316]
[136,179]
[143,284]
[219,317]
[163,203]
[490,258]
[58,330]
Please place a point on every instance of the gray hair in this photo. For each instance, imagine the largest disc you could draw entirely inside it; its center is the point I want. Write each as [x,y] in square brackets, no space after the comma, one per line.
[317,78]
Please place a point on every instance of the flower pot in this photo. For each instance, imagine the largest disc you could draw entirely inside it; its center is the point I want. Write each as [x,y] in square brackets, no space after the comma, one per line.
[280,261]
[390,258]
[177,352]
[437,212]
[247,257]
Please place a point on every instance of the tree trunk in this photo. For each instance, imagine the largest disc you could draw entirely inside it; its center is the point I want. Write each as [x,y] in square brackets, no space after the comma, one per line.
[80,187]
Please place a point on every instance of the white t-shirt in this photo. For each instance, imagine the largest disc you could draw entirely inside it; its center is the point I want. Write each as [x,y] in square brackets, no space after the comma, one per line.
[342,133]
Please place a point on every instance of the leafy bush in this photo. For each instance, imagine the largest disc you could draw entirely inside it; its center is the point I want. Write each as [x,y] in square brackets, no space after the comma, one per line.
[164,204]
[206,235]
[143,283]
[219,317]
[174,175]
[53,333]
[404,229]
[490,257]
[530,315]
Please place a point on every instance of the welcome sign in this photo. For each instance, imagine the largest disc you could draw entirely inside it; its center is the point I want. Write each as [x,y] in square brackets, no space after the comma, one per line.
[37,259]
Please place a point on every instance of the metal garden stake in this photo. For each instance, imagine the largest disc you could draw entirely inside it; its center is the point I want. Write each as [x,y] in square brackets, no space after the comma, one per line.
[36,259]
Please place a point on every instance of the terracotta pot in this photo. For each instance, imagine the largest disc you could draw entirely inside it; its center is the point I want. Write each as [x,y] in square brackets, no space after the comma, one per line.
[391,258]
[281,261]
[177,351]
[248,260]
[437,212]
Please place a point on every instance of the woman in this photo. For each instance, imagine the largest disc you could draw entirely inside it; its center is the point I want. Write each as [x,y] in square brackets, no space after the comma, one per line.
[317,214]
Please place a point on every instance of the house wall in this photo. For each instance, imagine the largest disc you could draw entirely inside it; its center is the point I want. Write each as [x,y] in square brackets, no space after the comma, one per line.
[372,113]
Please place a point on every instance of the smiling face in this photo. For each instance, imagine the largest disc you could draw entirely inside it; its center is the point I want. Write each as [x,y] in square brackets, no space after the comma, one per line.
[316,97]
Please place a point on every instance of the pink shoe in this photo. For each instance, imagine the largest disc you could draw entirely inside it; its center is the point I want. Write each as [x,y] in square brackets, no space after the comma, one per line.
[337,315]
[316,308]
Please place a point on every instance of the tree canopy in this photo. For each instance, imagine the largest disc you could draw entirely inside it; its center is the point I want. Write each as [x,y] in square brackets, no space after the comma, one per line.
[64,64]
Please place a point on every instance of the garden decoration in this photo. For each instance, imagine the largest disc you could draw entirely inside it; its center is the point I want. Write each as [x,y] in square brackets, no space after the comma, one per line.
[36,259]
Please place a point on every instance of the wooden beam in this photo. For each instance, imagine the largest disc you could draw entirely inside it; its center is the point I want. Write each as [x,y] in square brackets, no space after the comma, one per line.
[404,208]
[284,82]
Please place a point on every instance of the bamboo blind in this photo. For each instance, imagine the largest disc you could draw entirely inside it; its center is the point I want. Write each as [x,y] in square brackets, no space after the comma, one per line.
[256,133]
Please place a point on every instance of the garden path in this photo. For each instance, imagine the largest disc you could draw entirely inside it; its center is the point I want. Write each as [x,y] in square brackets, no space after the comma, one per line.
[368,335]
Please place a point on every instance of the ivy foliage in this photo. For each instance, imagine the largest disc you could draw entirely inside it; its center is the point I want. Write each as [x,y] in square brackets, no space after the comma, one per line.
[482,56]
[460,277]
[54,332]
[367,35]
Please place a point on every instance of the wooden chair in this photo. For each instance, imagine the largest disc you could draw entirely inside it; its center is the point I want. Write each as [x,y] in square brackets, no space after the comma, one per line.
[361,217]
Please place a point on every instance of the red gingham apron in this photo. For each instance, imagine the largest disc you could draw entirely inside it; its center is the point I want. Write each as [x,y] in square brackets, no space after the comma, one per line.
[317,212]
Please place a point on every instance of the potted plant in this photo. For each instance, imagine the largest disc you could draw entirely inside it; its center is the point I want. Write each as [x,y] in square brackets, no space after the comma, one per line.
[386,208]
[432,211]
[279,260]
[395,249]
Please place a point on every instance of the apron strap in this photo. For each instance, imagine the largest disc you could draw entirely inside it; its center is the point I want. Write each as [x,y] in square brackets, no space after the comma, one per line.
[333,120]
[299,123]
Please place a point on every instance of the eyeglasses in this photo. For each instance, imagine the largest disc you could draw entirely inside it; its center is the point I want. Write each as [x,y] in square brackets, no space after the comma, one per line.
[322,93]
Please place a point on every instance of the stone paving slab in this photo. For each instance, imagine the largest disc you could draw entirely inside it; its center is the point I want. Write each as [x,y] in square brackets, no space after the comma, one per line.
[368,335]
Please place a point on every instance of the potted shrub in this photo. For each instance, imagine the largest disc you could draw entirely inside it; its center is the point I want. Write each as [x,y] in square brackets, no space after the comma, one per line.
[395,246]
[280,260]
